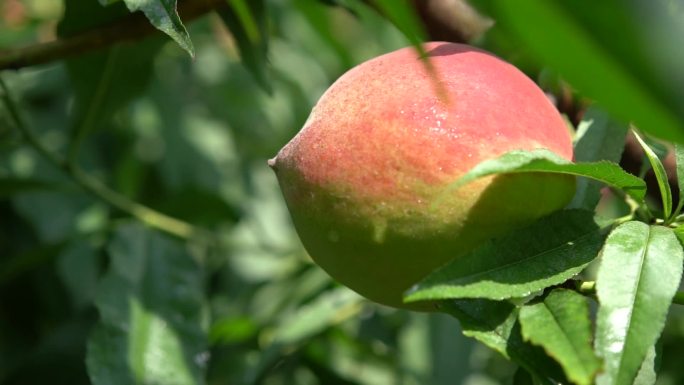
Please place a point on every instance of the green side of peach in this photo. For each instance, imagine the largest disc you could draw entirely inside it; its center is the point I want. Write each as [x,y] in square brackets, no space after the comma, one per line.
[382,255]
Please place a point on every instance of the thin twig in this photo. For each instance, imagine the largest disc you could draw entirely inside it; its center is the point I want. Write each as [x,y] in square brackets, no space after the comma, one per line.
[95,187]
[129,28]
[587,287]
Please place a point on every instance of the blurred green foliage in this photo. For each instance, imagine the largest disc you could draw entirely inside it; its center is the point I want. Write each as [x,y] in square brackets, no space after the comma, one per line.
[191,139]
[90,295]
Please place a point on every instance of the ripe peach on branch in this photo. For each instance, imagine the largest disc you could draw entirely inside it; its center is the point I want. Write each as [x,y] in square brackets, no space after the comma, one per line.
[366,180]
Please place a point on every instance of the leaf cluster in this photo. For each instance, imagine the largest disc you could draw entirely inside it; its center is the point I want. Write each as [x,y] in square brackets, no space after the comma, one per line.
[534,276]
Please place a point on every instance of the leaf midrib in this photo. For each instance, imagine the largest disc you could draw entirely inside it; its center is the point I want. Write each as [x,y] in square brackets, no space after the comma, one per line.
[634,303]
[578,240]
[568,340]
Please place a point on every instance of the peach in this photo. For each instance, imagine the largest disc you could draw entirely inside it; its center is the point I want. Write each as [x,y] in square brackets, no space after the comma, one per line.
[366,179]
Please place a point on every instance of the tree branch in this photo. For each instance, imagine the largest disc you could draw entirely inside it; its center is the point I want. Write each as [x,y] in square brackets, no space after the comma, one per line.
[452,20]
[134,26]
[98,189]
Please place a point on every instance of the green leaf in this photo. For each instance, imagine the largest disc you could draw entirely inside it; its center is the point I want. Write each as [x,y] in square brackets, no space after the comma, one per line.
[105,81]
[679,160]
[244,13]
[560,324]
[152,314]
[315,14]
[579,41]
[402,15]
[679,233]
[343,4]
[232,330]
[489,322]
[598,137]
[327,310]
[545,161]
[546,253]
[647,372]
[162,15]
[661,177]
[103,357]
[494,323]
[247,23]
[639,274]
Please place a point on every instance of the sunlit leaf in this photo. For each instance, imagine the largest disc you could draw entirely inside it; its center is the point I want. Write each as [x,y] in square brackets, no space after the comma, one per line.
[640,270]
[679,160]
[545,161]
[560,324]
[647,372]
[661,177]
[151,314]
[546,253]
